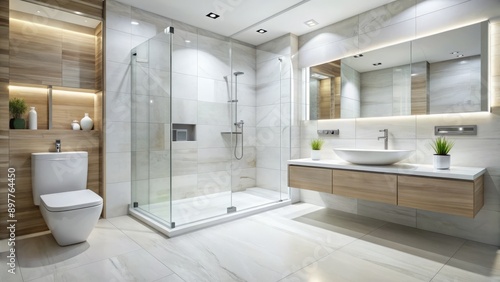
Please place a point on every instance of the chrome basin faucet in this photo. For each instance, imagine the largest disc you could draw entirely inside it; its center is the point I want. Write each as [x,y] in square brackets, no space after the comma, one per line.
[58,145]
[385,137]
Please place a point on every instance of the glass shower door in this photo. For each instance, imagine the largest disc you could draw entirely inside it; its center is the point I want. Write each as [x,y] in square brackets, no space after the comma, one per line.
[151,127]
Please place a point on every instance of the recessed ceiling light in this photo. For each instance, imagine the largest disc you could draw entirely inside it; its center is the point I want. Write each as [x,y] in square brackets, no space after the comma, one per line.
[261,30]
[311,23]
[78,13]
[38,12]
[454,52]
[212,15]
[358,56]
[187,41]
[377,64]
[134,23]
[460,55]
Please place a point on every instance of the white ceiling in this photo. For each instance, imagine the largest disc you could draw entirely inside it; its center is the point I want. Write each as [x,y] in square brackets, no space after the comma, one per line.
[241,18]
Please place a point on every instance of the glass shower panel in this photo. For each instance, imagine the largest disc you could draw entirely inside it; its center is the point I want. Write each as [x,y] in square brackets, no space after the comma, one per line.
[201,162]
[150,117]
[261,99]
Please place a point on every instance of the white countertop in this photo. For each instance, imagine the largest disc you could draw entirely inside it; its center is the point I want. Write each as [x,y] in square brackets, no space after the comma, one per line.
[462,173]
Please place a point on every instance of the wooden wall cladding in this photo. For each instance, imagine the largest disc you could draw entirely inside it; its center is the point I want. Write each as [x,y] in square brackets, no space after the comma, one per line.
[4,108]
[92,8]
[25,142]
[47,55]
[69,106]
[98,57]
[34,97]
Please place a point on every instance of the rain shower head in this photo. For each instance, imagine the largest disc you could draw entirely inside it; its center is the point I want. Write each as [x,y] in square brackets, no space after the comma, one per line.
[238,73]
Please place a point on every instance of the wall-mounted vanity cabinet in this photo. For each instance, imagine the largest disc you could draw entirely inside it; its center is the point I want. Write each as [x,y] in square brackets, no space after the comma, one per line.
[458,191]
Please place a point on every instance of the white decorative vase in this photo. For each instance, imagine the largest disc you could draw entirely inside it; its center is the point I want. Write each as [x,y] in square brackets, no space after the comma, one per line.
[315,155]
[32,119]
[75,125]
[86,123]
[442,161]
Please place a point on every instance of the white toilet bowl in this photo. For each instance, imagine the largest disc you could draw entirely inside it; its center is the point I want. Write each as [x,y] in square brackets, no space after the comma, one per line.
[71,216]
[59,187]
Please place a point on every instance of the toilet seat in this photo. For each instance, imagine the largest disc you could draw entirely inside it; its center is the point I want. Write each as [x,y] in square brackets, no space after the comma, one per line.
[72,200]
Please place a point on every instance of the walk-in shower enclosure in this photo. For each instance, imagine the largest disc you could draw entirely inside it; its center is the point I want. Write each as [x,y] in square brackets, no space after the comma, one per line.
[183,107]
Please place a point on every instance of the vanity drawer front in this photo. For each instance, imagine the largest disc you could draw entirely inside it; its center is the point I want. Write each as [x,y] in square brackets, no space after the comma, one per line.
[311,178]
[378,187]
[458,197]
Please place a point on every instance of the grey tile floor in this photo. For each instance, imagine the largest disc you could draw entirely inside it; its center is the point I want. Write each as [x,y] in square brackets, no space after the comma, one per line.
[301,242]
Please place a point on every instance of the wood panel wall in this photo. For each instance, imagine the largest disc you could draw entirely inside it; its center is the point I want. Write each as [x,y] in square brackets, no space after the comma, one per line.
[4,112]
[25,142]
[91,8]
[42,54]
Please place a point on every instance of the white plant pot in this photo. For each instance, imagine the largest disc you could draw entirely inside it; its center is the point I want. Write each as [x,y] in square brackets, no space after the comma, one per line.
[315,155]
[442,161]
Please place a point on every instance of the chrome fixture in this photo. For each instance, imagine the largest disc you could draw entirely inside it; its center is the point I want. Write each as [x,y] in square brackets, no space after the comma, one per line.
[455,130]
[385,137]
[237,124]
[58,146]
[329,131]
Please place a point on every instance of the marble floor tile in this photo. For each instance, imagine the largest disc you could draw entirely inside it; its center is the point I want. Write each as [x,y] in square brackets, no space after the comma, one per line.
[412,252]
[41,256]
[300,242]
[133,266]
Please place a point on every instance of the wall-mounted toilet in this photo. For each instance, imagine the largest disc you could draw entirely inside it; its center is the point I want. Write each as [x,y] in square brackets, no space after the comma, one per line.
[59,182]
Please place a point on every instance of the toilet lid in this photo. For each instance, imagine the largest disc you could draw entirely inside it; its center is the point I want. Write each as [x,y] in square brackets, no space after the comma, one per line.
[72,200]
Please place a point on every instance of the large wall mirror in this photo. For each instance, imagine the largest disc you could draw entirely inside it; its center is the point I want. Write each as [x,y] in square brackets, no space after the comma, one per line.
[441,73]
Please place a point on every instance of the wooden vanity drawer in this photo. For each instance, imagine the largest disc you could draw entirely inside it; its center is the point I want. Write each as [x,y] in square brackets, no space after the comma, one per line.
[458,197]
[378,187]
[311,178]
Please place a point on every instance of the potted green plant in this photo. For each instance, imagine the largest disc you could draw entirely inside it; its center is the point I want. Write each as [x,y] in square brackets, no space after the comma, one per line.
[316,145]
[17,108]
[442,147]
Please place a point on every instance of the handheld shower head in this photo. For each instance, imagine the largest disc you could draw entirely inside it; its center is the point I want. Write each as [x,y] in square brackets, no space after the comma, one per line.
[238,73]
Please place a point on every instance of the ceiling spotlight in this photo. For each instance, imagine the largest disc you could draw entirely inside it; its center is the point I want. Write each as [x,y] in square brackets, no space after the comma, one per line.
[311,23]
[460,55]
[454,52]
[134,23]
[261,30]
[358,56]
[377,64]
[78,13]
[212,15]
[187,41]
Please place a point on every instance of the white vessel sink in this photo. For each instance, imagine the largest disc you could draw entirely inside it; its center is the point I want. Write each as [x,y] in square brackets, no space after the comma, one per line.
[372,157]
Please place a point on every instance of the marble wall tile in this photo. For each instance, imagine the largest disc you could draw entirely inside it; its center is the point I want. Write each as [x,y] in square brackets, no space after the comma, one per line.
[243,179]
[386,15]
[346,127]
[213,182]
[244,59]
[118,16]
[159,190]
[119,138]
[184,111]
[150,24]
[268,137]
[184,186]
[118,46]
[209,136]
[184,162]
[399,127]
[184,86]
[159,164]
[118,78]
[268,157]
[249,159]
[185,60]
[118,107]
[116,164]
[213,159]
[213,113]
[268,178]
[140,163]
[216,91]
[118,198]
[274,49]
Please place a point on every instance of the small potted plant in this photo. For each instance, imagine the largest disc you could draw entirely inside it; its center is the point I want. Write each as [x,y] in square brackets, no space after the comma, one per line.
[442,147]
[17,108]
[316,145]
